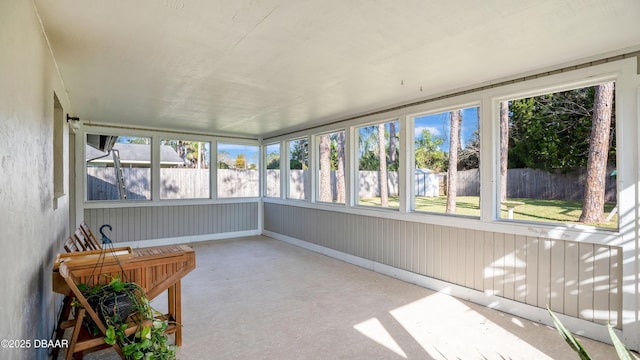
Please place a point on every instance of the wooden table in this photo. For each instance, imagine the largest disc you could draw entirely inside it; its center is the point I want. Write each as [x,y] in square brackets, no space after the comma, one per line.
[155,269]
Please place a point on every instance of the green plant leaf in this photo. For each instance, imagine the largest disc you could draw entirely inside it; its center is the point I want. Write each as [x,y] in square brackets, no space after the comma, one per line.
[568,337]
[110,337]
[146,343]
[146,332]
[117,285]
[128,350]
[623,352]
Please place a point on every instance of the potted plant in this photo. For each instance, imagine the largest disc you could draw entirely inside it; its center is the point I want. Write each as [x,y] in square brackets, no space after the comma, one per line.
[117,302]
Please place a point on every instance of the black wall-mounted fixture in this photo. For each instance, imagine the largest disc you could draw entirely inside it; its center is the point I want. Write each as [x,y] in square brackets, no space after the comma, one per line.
[74,122]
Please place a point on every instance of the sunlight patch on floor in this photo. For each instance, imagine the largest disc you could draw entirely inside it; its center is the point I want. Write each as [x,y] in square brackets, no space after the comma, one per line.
[374,330]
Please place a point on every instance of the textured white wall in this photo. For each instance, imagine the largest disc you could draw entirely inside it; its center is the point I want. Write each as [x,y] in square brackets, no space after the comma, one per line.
[31,231]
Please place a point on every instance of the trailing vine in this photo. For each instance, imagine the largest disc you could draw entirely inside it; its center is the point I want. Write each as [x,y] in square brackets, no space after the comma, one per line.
[119,301]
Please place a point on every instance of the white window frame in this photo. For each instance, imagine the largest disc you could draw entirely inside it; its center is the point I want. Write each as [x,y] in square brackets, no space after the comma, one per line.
[412,163]
[287,148]
[316,169]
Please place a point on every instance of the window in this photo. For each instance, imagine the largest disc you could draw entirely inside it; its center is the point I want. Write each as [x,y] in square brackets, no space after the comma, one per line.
[558,157]
[272,163]
[331,182]
[184,169]
[238,174]
[377,163]
[58,151]
[298,156]
[446,176]
[118,167]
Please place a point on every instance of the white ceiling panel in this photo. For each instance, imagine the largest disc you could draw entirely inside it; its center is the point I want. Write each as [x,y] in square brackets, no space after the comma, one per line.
[259,68]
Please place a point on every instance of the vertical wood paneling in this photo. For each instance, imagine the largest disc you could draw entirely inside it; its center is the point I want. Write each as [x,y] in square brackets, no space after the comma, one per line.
[444,250]
[386,239]
[499,269]
[615,285]
[145,223]
[544,272]
[601,286]
[402,247]
[520,268]
[531,286]
[429,251]
[419,248]
[489,262]
[509,266]
[571,264]
[557,292]
[477,251]
[438,252]
[576,279]
[457,258]
[585,281]
[380,236]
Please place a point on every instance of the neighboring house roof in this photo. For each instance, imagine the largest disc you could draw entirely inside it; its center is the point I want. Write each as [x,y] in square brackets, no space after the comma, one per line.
[134,154]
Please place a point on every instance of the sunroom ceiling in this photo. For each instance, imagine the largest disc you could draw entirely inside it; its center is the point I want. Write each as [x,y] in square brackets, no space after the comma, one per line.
[261,68]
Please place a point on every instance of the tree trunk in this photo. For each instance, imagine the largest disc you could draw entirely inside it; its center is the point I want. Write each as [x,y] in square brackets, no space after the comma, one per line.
[325,169]
[504,148]
[392,142]
[593,205]
[340,171]
[452,173]
[384,191]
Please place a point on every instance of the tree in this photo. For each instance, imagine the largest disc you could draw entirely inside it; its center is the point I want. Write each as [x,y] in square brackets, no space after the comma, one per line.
[452,174]
[393,155]
[241,163]
[325,168]
[224,159]
[551,132]
[384,190]
[299,154]
[428,154]
[368,148]
[273,161]
[504,148]
[340,186]
[593,205]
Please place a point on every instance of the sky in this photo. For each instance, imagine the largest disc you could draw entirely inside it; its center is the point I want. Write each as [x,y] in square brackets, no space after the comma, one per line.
[438,125]
[250,152]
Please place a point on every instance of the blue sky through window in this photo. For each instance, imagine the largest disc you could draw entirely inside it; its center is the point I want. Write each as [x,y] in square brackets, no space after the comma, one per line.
[439,125]
[250,152]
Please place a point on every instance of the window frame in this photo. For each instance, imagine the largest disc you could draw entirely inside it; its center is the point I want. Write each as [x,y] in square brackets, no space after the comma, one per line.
[258,167]
[154,157]
[265,162]
[160,138]
[549,86]
[355,163]
[155,136]
[287,147]
[316,169]
[456,104]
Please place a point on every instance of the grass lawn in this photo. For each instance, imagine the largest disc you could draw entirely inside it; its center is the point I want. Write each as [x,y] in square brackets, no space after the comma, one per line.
[550,211]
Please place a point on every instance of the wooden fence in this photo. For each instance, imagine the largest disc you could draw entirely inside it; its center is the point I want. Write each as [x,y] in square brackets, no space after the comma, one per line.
[179,183]
[175,183]
[538,184]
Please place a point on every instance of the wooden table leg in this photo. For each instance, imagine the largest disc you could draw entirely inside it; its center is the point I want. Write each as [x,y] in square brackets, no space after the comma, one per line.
[175,310]
[64,316]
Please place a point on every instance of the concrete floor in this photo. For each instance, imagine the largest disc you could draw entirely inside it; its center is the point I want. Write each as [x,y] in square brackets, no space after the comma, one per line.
[259,298]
